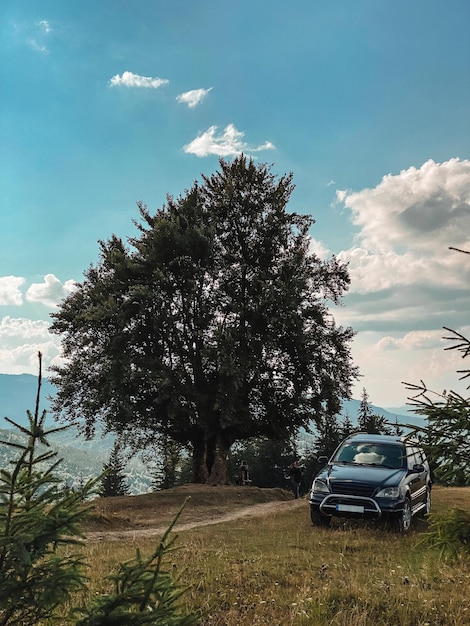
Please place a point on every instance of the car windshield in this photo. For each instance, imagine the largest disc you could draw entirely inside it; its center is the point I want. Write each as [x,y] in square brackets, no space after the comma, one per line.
[371,454]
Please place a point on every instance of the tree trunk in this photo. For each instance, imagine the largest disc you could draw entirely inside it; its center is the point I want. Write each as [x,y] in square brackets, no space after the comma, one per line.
[217,455]
[210,460]
[200,469]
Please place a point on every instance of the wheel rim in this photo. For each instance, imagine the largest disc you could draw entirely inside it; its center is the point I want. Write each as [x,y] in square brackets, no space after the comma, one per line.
[406,516]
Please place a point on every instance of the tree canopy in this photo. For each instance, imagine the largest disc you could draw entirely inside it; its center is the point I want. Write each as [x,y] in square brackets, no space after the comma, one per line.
[210,326]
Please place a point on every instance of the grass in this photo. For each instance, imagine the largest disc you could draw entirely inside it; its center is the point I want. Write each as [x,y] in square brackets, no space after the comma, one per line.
[280,570]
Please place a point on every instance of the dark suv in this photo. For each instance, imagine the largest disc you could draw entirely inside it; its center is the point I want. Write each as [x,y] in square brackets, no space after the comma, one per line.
[372,477]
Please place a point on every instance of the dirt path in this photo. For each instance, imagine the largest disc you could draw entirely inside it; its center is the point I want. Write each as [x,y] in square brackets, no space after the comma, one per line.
[255,510]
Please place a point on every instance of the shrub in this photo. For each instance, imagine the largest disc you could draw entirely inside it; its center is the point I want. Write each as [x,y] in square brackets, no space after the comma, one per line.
[449,532]
[37,517]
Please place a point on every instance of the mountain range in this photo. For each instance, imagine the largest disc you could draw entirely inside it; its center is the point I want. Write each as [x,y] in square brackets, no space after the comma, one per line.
[84,459]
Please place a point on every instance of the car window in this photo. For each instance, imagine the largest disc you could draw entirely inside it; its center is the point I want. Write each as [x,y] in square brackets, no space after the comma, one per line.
[371,454]
[419,456]
[413,458]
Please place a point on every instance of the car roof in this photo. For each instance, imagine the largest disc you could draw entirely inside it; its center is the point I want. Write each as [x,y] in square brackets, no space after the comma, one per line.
[375,438]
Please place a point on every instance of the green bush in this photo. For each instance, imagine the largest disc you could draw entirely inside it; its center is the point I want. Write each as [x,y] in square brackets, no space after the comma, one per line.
[37,517]
[449,532]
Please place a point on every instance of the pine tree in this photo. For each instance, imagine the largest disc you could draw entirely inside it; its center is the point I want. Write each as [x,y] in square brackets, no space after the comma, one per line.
[346,427]
[165,460]
[38,516]
[368,421]
[113,481]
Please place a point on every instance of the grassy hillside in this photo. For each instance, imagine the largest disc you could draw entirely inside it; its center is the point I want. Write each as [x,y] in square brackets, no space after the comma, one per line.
[277,569]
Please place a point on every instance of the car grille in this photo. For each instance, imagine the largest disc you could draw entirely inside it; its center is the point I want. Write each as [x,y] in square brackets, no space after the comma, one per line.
[353,489]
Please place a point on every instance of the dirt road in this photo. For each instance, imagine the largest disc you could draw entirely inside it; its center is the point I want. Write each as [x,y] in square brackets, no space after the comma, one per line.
[255,510]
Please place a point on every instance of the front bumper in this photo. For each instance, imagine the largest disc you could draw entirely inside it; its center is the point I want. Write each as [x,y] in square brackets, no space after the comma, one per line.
[346,505]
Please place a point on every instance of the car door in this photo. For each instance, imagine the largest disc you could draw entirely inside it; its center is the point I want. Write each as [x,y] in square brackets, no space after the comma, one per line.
[416,480]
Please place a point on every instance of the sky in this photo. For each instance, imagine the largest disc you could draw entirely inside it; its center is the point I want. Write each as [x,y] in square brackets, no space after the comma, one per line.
[367,102]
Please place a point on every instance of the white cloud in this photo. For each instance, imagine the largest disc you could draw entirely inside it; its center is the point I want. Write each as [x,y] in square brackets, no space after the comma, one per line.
[418,208]
[405,282]
[128,79]
[194,97]
[21,340]
[45,26]
[318,248]
[415,340]
[230,143]
[50,292]
[10,292]
[12,328]
[35,45]
[38,35]
[407,224]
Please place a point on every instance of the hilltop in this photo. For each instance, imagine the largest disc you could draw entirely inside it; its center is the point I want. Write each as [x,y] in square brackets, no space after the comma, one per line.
[149,514]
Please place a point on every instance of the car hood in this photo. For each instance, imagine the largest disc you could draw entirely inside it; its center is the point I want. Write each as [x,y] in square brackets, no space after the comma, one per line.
[361,474]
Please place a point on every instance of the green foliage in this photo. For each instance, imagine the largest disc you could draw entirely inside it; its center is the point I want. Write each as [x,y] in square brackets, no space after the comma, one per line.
[113,480]
[165,461]
[446,434]
[144,593]
[40,523]
[449,532]
[210,327]
[368,421]
[37,517]
[330,432]
[446,440]
[267,459]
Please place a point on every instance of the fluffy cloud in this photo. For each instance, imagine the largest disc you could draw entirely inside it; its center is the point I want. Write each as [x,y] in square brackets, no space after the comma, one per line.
[318,248]
[10,292]
[406,284]
[194,97]
[229,143]
[50,292]
[389,362]
[415,340]
[12,329]
[128,79]
[421,209]
[21,340]
[407,224]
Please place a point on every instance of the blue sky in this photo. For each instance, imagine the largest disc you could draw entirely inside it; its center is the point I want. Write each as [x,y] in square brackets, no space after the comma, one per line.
[367,102]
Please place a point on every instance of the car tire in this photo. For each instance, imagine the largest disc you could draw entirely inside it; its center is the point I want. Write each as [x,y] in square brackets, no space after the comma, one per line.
[318,519]
[403,521]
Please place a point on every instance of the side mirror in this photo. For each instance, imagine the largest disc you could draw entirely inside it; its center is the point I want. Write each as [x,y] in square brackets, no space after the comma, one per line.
[418,468]
[322,460]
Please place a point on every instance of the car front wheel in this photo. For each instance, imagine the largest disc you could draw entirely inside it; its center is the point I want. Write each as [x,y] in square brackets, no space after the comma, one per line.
[318,519]
[404,520]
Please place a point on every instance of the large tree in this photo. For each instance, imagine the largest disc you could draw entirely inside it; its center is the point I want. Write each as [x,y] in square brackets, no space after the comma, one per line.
[209,327]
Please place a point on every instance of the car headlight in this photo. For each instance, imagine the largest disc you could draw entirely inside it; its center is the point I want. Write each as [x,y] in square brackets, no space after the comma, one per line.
[389,492]
[319,486]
